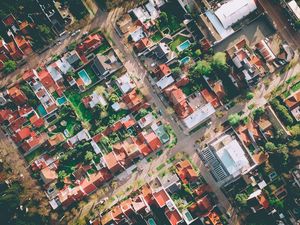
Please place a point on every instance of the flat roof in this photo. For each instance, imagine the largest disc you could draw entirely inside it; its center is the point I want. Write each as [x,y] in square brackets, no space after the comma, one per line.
[295,8]
[233,158]
[234,10]
[199,116]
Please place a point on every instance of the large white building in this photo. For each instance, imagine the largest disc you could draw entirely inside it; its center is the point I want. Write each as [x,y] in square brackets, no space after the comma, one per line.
[234,10]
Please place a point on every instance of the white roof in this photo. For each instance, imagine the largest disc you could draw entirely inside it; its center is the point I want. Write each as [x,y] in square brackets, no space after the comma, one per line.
[116,106]
[146,120]
[234,10]
[81,135]
[152,10]
[233,158]
[96,148]
[97,99]
[125,83]
[165,82]
[138,34]
[141,14]
[295,8]
[199,116]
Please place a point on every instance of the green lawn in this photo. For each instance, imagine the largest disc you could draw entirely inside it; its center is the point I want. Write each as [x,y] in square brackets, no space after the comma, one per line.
[102,48]
[177,41]
[34,154]
[75,97]
[156,37]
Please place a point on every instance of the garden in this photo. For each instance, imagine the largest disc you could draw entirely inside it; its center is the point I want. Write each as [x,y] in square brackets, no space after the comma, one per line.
[179,39]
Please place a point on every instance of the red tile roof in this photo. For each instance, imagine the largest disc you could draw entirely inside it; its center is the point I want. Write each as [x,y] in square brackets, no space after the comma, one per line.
[91,42]
[17,95]
[46,79]
[186,172]
[9,20]
[28,75]
[162,70]
[153,141]
[112,162]
[17,123]
[133,100]
[31,143]
[205,205]
[210,98]
[293,101]
[22,134]
[5,114]
[161,198]
[174,217]
[36,121]
[142,44]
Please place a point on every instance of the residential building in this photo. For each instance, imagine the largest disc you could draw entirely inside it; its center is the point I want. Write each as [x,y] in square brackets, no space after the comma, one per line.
[125,83]
[293,103]
[17,95]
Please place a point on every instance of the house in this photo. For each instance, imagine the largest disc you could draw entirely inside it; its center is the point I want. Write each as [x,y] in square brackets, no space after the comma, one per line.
[82,135]
[92,42]
[257,201]
[17,95]
[186,172]
[140,206]
[265,51]
[293,103]
[171,183]
[37,121]
[250,133]
[55,140]
[102,65]
[162,70]
[146,120]
[133,100]
[124,23]
[33,142]
[138,34]
[165,82]
[22,134]
[150,139]
[294,10]
[90,101]
[125,83]
[178,100]
[48,174]
[73,59]
[112,163]
[161,50]
[22,44]
[143,44]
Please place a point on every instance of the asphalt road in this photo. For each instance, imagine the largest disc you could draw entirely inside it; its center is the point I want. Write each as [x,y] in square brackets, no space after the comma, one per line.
[277,14]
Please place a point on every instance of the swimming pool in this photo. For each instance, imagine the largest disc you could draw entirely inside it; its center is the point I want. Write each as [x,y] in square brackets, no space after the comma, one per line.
[185,60]
[42,110]
[61,100]
[85,77]
[151,221]
[183,45]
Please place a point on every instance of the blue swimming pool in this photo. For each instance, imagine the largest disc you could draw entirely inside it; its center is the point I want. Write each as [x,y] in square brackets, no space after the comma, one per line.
[151,221]
[42,111]
[61,100]
[183,45]
[85,77]
[185,60]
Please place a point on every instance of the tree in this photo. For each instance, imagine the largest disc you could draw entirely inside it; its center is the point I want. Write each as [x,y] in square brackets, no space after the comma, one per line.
[257,113]
[234,119]
[163,18]
[219,62]
[176,71]
[249,95]
[198,52]
[61,175]
[9,66]
[203,68]
[100,90]
[89,156]
[295,130]
[270,146]
[113,98]
[282,111]
[45,31]
[241,199]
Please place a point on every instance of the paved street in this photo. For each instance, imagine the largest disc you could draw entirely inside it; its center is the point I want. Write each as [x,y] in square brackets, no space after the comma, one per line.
[105,21]
[281,23]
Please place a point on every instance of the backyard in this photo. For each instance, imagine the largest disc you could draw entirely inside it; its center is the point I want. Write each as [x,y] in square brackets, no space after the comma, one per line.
[177,41]
[171,17]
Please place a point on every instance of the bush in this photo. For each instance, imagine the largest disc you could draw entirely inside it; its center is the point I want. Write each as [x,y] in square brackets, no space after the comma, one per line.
[249,95]
[257,113]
